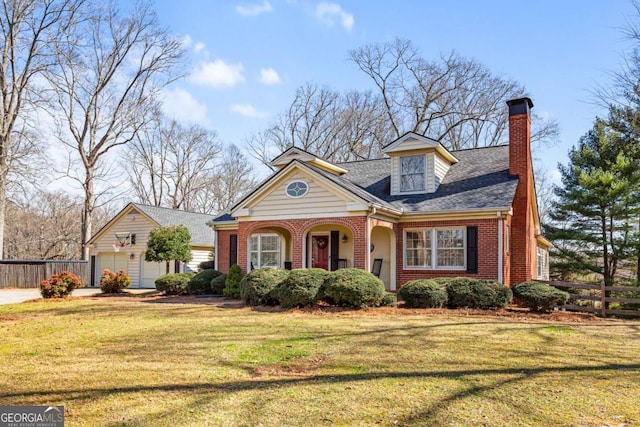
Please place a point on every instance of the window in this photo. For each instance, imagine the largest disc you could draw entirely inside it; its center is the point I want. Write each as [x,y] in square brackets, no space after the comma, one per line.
[435,248]
[297,189]
[264,250]
[543,264]
[412,173]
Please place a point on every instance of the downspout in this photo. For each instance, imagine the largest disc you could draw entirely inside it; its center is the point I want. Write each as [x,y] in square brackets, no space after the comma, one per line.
[500,247]
[367,265]
[215,247]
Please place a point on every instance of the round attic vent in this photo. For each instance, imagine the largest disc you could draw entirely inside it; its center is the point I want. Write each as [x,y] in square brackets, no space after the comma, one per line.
[297,189]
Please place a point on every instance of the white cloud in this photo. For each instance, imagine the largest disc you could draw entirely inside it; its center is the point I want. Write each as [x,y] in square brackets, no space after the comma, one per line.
[329,12]
[218,74]
[181,105]
[247,110]
[269,76]
[199,47]
[254,9]
[187,41]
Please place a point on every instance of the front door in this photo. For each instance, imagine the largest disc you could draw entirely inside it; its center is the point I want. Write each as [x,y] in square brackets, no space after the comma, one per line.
[320,252]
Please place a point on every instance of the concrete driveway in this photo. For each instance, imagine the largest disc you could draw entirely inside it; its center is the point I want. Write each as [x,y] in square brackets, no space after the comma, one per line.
[14,296]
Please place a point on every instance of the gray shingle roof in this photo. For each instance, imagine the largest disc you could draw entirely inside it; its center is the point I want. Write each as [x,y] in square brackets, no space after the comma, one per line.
[201,233]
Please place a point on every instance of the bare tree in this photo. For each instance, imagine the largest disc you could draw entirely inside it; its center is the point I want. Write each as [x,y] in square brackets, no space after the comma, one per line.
[170,163]
[27,30]
[110,69]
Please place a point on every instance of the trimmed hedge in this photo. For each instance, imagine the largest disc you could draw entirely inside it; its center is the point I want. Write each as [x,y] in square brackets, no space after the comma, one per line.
[353,287]
[60,285]
[539,296]
[389,300]
[174,283]
[423,294]
[207,265]
[200,284]
[300,288]
[256,288]
[232,284]
[472,293]
[217,284]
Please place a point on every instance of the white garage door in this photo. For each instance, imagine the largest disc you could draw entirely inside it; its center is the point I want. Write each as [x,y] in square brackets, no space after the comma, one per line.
[150,272]
[114,261]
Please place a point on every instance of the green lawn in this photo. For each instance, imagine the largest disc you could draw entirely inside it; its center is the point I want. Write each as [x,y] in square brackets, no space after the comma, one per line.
[116,363]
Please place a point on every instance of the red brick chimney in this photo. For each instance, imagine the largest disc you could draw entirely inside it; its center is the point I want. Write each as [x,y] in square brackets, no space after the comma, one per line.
[522,232]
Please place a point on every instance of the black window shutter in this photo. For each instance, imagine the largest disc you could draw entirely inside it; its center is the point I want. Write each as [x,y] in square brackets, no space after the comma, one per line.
[233,249]
[335,249]
[472,249]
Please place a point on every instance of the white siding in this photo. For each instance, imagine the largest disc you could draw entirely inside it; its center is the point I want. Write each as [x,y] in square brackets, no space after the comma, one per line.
[197,256]
[429,172]
[413,144]
[318,202]
[441,168]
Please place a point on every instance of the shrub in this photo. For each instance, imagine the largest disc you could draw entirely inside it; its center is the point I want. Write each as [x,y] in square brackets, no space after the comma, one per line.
[207,265]
[112,282]
[474,293]
[232,284]
[353,287]
[217,284]
[174,283]
[200,284]
[423,294]
[389,300]
[539,296]
[300,288]
[60,285]
[257,286]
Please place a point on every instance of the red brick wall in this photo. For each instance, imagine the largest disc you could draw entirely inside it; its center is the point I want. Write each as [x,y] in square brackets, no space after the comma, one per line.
[223,249]
[523,234]
[487,251]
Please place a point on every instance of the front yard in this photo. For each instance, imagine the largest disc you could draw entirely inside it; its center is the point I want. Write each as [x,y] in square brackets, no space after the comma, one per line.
[137,362]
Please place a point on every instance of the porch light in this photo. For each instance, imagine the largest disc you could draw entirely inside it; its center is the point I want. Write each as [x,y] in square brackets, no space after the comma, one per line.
[344,238]
[132,255]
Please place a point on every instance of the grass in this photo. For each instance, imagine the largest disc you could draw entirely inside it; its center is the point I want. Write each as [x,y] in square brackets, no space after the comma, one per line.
[113,363]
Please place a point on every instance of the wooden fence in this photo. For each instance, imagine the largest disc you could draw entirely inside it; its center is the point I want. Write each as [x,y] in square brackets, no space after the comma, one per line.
[597,299]
[29,273]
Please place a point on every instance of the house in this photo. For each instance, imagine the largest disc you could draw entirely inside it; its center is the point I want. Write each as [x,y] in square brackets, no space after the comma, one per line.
[131,226]
[421,212]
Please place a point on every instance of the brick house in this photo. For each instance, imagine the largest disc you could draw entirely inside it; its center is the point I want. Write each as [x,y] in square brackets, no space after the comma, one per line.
[421,212]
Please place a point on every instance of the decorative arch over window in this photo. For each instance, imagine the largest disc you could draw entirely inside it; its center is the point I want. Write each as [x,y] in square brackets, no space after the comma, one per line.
[297,189]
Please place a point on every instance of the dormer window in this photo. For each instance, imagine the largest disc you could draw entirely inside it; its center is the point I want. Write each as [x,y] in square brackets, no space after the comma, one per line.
[412,173]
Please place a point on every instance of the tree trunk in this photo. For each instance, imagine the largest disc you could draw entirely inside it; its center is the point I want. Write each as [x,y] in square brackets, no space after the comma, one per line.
[3,194]
[87,213]
[168,266]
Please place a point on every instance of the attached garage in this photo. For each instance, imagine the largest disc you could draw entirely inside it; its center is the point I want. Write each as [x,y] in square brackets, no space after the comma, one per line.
[150,272]
[114,261]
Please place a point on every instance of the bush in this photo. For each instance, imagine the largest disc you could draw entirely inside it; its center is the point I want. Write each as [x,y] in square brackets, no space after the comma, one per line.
[217,284]
[474,293]
[539,296]
[353,287]
[200,284]
[174,283]
[232,284]
[112,282]
[257,286]
[389,300]
[207,265]
[423,294]
[300,288]
[60,285]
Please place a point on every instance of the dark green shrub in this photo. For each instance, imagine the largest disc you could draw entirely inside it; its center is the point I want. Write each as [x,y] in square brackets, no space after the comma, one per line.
[423,294]
[217,284]
[200,284]
[539,296]
[207,265]
[174,283]
[443,281]
[300,288]
[60,285]
[114,283]
[232,284]
[473,293]
[353,287]
[257,286]
[389,300]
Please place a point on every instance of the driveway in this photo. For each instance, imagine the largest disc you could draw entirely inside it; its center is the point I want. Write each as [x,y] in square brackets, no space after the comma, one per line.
[14,296]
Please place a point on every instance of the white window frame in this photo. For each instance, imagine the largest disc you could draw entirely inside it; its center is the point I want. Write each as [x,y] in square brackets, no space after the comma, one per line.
[286,189]
[434,249]
[259,236]
[542,263]
[401,174]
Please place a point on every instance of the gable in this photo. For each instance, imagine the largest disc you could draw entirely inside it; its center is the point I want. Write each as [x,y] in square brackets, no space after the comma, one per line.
[294,153]
[128,221]
[322,199]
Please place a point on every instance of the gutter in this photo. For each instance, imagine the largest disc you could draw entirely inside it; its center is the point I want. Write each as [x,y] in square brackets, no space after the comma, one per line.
[500,246]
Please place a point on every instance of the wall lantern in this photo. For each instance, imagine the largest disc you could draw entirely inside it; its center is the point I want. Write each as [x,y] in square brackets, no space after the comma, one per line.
[344,238]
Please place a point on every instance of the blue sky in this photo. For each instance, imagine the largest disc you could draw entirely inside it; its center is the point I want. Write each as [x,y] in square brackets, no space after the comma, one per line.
[247,58]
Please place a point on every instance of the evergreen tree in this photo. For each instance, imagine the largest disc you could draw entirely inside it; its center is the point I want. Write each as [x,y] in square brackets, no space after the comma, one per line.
[595,214]
[168,244]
